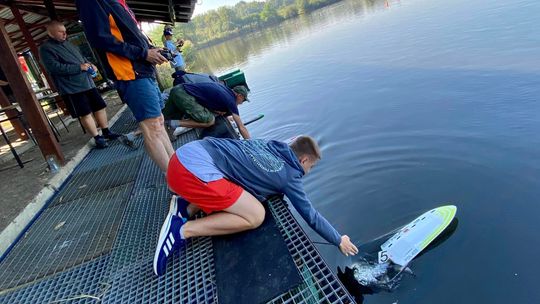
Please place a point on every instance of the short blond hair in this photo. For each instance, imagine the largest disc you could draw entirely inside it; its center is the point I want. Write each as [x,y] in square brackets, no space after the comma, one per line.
[306,146]
[53,24]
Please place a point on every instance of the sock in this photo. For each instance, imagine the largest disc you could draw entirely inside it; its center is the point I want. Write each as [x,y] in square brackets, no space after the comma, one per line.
[182,232]
[105,131]
[97,136]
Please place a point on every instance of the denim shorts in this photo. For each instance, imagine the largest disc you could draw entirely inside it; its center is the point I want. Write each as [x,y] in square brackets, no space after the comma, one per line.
[142,97]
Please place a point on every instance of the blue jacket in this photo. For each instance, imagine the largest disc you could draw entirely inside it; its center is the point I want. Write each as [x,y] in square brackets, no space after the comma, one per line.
[111,29]
[178,58]
[265,168]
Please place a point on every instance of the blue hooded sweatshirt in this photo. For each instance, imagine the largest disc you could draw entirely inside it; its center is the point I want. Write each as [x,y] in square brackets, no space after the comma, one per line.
[265,168]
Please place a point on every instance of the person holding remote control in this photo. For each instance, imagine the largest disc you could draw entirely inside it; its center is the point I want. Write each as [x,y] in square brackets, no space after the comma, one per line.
[72,74]
[129,59]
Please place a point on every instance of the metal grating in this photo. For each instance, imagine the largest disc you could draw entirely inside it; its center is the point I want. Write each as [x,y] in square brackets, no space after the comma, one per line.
[72,286]
[99,179]
[139,230]
[320,284]
[116,150]
[125,123]
[114,153]
[65,236]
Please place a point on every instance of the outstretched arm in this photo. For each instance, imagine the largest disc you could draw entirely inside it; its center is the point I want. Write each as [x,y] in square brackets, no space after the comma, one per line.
[301,203]
[243,130]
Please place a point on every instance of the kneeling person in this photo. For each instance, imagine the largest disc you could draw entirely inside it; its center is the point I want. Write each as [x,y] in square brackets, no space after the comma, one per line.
[194,105]
[228,180]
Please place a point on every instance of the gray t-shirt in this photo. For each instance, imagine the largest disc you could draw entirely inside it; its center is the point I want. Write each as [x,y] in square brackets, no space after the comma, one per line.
[196,159]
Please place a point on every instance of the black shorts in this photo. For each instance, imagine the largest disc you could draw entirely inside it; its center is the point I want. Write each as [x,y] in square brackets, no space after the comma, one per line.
[84,103]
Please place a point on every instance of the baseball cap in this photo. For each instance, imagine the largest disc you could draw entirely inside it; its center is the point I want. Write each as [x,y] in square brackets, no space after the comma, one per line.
[167,31]
[242,90]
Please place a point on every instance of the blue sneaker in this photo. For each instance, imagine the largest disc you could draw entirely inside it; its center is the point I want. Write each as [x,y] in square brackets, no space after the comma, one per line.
[100,142]
[169,240]
[178,206]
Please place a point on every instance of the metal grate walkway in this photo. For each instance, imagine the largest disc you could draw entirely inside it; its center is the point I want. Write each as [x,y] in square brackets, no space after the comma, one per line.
[96,238]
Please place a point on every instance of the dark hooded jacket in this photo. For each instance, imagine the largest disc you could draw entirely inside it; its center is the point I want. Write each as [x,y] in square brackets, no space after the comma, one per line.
[111,29]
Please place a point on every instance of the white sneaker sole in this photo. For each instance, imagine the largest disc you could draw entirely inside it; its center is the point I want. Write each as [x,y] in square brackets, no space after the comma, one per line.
[163,233]
[173,207]
[182,131]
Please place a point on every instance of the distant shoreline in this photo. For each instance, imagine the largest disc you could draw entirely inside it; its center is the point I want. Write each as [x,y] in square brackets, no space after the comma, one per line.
[258,28]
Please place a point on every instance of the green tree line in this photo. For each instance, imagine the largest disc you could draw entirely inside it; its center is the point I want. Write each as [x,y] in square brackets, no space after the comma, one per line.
[226,22]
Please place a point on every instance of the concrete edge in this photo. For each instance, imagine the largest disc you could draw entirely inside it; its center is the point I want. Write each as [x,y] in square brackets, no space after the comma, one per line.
[19,224]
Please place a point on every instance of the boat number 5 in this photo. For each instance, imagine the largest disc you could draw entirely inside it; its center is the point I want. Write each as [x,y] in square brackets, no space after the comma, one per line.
[383,256]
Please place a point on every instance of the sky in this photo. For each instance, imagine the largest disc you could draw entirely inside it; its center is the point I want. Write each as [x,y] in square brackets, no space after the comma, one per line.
[201,7]
[205,5]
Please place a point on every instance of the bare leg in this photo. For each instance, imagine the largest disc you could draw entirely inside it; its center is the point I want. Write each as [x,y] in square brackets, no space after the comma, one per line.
[192,209]
[156,141]
[189,123]
[101,118]
[245,214]
[89,124]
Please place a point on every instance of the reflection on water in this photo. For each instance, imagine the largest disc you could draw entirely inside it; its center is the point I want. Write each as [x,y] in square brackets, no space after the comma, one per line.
[236,52]
[416,104]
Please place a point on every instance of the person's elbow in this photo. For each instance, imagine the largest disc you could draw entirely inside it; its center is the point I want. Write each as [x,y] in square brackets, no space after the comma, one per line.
[245,133]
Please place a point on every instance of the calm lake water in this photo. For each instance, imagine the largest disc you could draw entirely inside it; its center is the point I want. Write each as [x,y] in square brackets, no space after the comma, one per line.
[416,104]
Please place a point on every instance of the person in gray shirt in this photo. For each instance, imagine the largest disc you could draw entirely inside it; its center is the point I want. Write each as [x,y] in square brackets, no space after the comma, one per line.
[72,74]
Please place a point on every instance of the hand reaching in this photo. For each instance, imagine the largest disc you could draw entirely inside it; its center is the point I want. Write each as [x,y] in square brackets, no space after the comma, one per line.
[347,247]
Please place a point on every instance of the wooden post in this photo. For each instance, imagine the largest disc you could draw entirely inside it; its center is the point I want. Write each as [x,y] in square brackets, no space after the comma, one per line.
[27,99]
[50,9]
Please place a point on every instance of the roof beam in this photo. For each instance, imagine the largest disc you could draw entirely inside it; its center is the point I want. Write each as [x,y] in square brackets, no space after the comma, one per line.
[43,22]
[32,9]
[50,9]
[22,24]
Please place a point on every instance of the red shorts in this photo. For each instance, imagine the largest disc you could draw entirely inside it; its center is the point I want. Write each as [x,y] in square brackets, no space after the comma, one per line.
[213,196]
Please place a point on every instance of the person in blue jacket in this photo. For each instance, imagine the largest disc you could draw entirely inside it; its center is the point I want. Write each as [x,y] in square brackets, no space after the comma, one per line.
[228,179]
[168,43]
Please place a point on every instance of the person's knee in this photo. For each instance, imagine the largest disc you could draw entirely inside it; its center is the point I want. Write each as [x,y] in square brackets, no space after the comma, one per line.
[210,123]
[152,125]
[257,218]
[86,116]
[204,121]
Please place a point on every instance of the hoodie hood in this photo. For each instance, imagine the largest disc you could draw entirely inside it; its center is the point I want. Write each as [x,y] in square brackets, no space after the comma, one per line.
[287,154]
